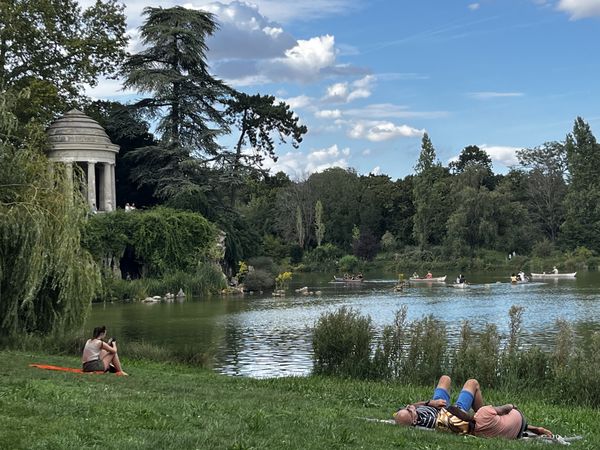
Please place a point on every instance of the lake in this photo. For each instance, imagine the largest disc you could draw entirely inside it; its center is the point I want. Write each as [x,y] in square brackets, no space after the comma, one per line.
[265,336]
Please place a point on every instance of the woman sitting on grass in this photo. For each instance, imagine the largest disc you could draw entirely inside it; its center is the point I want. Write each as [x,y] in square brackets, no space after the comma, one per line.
[98,356]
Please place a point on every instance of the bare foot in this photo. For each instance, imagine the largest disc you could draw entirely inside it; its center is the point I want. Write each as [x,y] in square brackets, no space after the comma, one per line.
[122,374]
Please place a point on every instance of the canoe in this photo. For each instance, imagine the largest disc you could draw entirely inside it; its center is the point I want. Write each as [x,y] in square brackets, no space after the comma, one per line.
[347,280]
[428,280]
[459,285]
[553,275]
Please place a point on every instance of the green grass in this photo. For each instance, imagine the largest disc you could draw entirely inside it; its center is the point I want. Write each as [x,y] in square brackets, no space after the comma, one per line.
[172,406]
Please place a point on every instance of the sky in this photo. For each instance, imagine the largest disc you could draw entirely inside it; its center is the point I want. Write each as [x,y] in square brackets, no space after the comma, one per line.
[369,77]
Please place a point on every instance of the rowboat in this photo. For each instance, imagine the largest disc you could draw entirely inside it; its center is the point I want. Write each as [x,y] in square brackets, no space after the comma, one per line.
[347,280]
[551,276]
[428,280]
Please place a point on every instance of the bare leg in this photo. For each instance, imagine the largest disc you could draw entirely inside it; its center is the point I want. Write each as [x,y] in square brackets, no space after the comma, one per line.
[109,358]
[472,386]
[444,383]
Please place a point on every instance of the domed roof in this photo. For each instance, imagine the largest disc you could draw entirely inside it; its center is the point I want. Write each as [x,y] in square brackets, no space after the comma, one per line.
[75,127]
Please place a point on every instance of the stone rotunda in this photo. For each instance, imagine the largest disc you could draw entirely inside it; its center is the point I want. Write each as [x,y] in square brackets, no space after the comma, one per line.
[78,139]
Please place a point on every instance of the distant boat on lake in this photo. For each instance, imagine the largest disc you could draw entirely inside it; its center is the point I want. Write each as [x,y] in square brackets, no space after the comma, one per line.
[551,276]
[428,280]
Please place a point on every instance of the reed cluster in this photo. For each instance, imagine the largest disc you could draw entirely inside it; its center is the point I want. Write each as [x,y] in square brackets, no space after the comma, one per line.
[419,352]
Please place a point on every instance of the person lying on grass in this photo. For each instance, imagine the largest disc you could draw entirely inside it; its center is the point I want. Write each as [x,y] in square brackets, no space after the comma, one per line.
[424,413]
[504,421]
[98,356]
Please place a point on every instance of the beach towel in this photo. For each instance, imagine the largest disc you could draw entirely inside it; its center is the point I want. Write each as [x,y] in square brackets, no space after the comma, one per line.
[64,369]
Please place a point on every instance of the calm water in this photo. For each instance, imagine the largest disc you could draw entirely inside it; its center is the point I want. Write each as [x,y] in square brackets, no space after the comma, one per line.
[263,336]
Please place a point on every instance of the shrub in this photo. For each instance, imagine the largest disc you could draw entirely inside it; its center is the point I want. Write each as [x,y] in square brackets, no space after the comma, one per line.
[258,280]
[466,354]
[342,344]
[389,355]
[264,263]
[349,263]
[426,357]
[388,242]
[296,253]
[322,257]
[543,249]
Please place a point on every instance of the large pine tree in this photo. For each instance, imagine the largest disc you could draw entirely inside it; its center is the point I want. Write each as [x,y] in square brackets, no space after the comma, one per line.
[582,202]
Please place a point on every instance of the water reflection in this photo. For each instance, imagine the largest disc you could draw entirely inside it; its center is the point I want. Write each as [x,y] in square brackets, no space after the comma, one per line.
[268,337]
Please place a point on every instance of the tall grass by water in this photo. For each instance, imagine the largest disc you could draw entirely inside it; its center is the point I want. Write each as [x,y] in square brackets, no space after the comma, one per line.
[206,279]
[419,352]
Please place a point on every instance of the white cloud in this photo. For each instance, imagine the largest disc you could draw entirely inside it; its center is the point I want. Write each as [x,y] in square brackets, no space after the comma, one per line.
[388,110]
[328,114]
[244,33]
[347,92]
[376,171]
[377,131]
[579,9]
[301,101]
[298,164]
[366,152]
[487,95]
[474,6]
[107,88]
[506,156]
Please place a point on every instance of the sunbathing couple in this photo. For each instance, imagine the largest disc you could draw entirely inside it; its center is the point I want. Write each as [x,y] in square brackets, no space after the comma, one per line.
[487,421]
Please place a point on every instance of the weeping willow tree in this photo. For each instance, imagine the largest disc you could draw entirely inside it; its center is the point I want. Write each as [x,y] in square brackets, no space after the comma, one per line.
[47,280]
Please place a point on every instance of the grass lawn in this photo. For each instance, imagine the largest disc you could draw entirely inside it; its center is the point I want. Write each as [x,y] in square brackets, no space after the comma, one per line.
[168,406]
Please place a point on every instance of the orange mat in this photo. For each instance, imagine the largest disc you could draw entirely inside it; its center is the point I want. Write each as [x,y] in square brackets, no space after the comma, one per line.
[63,369]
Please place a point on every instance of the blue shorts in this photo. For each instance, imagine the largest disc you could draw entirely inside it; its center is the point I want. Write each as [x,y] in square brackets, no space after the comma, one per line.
[441,393]
[464,400]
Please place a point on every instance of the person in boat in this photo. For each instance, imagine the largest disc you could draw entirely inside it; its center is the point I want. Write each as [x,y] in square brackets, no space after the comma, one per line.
[461,279]
[99,356]
[505,421]
[424,413]
[554,270]
[513,278]
[415,275]
[429,275]
[522,276]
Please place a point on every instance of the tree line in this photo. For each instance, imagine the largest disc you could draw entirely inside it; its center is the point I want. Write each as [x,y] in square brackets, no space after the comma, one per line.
[172,154]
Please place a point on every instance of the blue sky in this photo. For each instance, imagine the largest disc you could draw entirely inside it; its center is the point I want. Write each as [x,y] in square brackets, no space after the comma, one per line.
[368,77]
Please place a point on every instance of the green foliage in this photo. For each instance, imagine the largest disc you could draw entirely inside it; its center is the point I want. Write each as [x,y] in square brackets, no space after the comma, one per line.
[258,280]
[543,249]
[164,239]
[264,263]
[349,264]
[426,350]
[258,118]
[342,344]
[323,257]
[419,351]
[319,224]
[55,48]
[582,217]
[206,279]
[177,76]
[388,242]
[47,279]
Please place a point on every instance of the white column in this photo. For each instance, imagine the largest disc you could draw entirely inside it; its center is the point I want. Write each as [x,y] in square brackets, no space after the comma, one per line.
[114,186]
[91,184]
[107,187]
